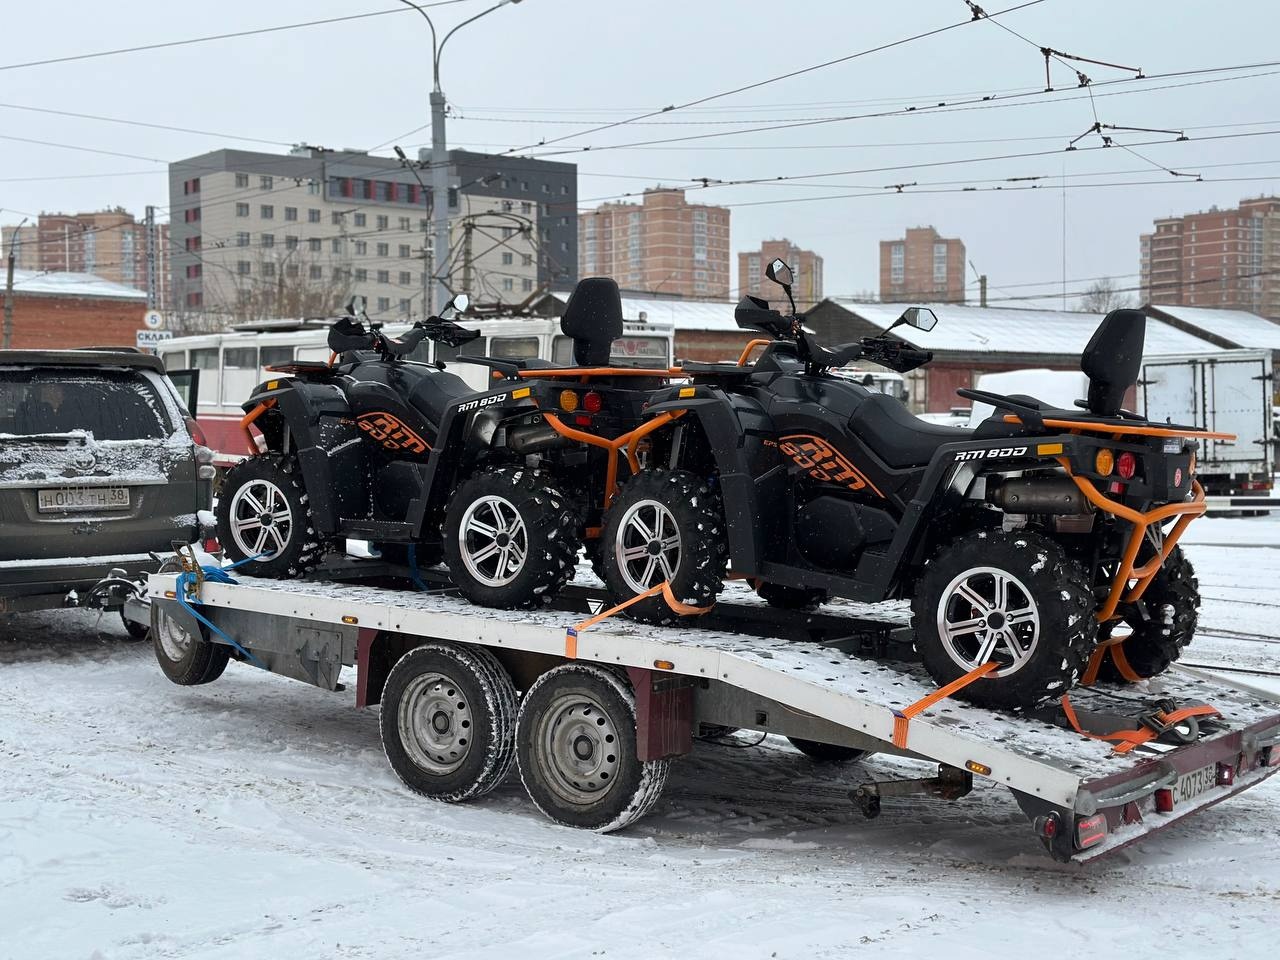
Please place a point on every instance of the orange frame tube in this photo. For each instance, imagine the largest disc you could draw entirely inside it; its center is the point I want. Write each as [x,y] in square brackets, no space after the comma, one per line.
[746,351]
[630,441]
[1129,570]
[251,416]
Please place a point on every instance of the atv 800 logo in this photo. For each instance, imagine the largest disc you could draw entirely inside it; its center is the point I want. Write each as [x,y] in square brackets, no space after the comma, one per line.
[482,402]
[991,454]
[824,462]
[391,433]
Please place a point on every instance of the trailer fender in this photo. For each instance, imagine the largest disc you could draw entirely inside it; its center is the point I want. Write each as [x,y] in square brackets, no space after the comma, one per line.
[664,713]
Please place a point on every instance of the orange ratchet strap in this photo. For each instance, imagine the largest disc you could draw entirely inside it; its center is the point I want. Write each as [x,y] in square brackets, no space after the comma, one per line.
[1113,647]
[664,588]
[902,718]
[1126,740]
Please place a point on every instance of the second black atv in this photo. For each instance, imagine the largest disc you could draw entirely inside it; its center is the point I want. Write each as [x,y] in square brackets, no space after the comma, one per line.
[1022,542]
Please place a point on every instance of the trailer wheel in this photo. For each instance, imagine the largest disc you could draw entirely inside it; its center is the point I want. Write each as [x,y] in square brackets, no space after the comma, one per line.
[136,631]
[665,525]
[1172,605]
[185,659]
[264,510]
[827,752]
[448,721]
[1015,598]
[511,538]
[576,749]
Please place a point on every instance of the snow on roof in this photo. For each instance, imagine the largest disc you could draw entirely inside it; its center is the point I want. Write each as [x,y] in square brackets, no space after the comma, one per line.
[681,314]
[1242,328]
[1009,330]
[73,285]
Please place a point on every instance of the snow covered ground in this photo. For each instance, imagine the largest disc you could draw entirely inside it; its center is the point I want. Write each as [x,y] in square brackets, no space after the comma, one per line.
[256,817]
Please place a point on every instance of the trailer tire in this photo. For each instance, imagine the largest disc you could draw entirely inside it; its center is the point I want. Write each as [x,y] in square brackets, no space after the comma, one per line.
[1046,595]
[538,517]
[448,721]
[186,660]
[1172,602]
[136,631]
[271,483]
[820,752]
[576,750]
[666,499]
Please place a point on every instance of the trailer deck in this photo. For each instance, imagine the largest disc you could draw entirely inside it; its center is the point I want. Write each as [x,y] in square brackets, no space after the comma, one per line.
[830,686]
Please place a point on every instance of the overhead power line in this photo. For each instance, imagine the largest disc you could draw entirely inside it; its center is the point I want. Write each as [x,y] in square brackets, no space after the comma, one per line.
[218,36]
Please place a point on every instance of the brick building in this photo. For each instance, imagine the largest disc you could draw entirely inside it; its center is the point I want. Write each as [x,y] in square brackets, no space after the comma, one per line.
[805,264]
[662,245]
[922,266]
[1228,259]
[59,310]
[111,244]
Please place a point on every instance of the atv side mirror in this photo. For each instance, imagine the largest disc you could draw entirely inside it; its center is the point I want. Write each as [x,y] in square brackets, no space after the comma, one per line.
[458,304]
[922,318]
[356,306]
[779,273]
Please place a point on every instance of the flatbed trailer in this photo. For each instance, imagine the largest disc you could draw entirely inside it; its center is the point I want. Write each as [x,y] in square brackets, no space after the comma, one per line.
[579,705]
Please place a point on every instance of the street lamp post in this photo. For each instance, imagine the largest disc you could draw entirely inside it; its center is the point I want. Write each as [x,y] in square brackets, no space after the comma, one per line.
[7,338]
[440,156]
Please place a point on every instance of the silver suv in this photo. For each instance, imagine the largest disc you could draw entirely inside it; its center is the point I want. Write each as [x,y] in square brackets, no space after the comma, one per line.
[100,466]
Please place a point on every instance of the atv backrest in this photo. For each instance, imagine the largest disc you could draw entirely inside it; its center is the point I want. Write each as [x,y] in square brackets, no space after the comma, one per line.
[593,318]
[1112,360]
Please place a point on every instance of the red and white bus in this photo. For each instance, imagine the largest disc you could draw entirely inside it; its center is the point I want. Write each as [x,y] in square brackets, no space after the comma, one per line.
[231,364]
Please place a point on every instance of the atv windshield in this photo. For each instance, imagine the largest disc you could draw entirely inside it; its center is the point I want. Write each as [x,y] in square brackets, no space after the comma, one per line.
[110,404]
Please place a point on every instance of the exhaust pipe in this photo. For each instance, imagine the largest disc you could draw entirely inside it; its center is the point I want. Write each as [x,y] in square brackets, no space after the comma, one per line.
[533,437]
[1040,495]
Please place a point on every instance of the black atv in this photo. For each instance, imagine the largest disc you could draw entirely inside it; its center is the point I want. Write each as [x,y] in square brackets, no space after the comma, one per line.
[374,446]
[1023,541]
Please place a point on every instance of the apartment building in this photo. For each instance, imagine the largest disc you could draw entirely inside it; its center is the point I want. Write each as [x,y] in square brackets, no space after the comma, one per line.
[662,245]
[805,265]
[922,266]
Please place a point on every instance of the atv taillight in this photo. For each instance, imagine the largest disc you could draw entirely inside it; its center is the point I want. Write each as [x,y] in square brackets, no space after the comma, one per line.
[1104,462]
[197,434]
[1127,465]
[568,401]
[592,402]
[1091,831]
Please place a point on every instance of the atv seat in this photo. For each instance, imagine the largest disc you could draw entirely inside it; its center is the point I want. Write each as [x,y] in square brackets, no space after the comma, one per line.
[896,436]
[434,392]
[593,319]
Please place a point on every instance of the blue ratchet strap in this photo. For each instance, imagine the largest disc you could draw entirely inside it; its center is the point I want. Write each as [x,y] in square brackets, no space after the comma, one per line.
[216,575]
[413,568]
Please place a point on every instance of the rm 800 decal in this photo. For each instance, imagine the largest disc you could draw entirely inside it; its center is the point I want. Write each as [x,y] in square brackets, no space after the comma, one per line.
[994,453]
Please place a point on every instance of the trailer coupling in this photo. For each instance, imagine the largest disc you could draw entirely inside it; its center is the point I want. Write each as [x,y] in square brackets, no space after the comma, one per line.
[951,783]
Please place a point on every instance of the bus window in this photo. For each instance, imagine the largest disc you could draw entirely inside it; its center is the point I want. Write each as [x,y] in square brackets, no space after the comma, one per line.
[313,354]
[174,359]
[514,348]
[240,373]
[641,352]
[476,348]
[205,360]
[562,351]
[270,356]
[422,352]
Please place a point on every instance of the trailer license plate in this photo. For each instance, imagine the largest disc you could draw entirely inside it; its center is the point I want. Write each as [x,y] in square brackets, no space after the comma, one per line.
[1191,785]
[67,499]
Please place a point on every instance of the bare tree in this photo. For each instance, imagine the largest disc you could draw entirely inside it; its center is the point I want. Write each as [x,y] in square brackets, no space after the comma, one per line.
[1103,297]
[282,285]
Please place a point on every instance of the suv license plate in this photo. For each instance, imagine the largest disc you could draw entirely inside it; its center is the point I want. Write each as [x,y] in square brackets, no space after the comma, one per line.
[67,499]
[1190,785]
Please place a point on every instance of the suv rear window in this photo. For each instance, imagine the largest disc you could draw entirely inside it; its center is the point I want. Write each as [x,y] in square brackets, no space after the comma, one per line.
[110,404]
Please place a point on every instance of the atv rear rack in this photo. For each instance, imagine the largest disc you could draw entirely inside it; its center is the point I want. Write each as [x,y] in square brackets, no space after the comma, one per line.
[829,678]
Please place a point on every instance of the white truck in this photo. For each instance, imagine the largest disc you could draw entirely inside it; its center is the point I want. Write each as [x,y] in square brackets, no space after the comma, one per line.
[1231,392]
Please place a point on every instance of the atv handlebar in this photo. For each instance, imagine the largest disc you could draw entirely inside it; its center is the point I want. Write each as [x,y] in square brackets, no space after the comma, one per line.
[351,333]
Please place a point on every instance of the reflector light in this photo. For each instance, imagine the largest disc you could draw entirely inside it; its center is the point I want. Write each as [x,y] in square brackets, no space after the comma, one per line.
[582,420]
[171,595]
[1091,831]
[1226,774]
[350,620]
[1047,825]
[1127,465]
[664,664]
[568,401]
[973,766]
[592,402]
[212,545]
[1104,462]
[1164,800]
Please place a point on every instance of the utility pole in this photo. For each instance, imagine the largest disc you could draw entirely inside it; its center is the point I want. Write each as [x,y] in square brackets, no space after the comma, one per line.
[153,297]
[982,290]
[8,285]
[468,225]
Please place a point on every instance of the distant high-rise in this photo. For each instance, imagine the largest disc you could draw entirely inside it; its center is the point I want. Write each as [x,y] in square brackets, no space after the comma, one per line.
[663,245]
[1218,258]
[805,264]
[110,244]
[922,266]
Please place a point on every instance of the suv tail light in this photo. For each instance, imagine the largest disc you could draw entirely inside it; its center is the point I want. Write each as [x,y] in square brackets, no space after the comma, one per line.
[197,434]
[1091,831]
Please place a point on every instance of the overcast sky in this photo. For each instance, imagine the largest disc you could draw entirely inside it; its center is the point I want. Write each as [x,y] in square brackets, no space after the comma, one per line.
[546,68]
